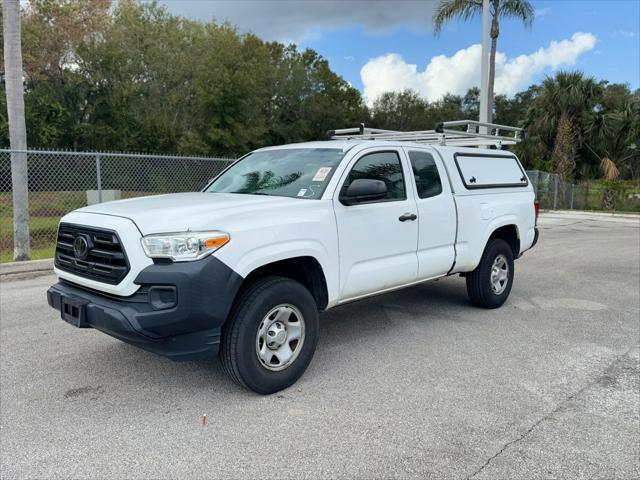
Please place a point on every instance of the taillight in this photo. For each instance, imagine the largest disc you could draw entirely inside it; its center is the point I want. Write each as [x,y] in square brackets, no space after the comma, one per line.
[536,209]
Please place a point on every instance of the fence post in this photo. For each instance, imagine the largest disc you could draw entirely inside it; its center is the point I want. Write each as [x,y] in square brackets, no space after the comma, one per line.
[537,183]
[555,191]
[99,178]
[586,196]
[571,204]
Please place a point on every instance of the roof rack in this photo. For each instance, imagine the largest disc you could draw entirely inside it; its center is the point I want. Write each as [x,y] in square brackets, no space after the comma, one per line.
[462,133]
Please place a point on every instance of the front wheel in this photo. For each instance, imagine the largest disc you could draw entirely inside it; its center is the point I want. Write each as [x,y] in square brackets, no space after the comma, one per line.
[490,283]
[271,335]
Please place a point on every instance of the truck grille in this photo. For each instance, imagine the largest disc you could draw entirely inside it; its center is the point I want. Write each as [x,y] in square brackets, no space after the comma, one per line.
[93,253]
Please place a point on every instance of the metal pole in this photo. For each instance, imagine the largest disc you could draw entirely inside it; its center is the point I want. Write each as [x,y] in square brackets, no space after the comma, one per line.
[14,90]
[586,196]
[555,192]
[484,70]
[99,178]
[571,206]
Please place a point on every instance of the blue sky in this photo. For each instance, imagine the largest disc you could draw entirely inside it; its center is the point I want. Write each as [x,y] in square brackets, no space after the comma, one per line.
[382,45]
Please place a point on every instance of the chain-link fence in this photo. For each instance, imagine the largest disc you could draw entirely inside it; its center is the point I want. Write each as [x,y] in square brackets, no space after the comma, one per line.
[552,193]
[60,182]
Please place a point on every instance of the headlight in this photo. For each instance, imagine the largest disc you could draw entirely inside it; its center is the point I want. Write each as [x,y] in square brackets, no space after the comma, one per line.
[183,247]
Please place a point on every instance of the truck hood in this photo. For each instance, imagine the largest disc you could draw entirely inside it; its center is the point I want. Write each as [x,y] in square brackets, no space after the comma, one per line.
[195,211]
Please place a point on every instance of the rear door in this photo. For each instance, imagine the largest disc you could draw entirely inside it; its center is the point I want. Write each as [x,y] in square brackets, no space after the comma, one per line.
[437,219]
[377,246]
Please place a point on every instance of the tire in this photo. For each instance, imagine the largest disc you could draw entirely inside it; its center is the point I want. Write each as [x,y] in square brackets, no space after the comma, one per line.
[481,288]
[268,306]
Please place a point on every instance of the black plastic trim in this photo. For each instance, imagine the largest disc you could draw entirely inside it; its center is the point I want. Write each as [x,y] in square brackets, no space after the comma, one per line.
[91,272]
[535,237]
[205,291]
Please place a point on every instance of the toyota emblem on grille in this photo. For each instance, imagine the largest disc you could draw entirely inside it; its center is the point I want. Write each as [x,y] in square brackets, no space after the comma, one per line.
[80,247]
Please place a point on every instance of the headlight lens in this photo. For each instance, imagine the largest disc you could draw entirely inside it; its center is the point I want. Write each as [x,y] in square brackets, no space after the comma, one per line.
[184,247]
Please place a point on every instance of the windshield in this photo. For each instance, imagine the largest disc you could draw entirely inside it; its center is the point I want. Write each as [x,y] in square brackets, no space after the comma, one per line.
[287,172]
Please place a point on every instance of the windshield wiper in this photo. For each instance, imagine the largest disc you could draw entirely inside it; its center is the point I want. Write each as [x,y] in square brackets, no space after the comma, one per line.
[253,193]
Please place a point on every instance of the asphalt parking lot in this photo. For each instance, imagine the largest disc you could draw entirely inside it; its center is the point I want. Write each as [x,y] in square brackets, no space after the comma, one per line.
[413,384]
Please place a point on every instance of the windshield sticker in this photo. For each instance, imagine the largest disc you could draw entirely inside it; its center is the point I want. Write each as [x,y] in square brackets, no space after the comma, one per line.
[321,174]
[301,192]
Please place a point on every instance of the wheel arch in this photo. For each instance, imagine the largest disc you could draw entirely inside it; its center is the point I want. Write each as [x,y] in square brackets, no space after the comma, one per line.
[510,234]
[471,251]
[304,269]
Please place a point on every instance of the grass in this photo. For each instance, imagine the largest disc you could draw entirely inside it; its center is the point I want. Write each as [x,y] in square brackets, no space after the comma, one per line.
[42,231]
[45,210]
[589,195]
[36,254]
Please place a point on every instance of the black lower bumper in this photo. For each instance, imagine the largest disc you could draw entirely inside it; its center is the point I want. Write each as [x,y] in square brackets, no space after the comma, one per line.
[178,312]
[535,237]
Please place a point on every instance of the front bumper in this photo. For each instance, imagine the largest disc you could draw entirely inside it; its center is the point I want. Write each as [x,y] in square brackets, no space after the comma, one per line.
[185,326]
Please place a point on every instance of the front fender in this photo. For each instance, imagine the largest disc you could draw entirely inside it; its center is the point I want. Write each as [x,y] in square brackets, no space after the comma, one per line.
[265,254]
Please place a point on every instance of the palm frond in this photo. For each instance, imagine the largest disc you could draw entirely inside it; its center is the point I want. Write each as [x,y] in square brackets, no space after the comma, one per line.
[448,10]
[609,169]
[521,9]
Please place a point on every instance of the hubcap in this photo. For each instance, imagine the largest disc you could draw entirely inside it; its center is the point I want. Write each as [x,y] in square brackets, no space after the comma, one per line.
[280,337]
[499,274]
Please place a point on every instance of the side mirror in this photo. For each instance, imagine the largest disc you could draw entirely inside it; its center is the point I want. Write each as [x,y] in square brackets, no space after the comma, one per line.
[363,190]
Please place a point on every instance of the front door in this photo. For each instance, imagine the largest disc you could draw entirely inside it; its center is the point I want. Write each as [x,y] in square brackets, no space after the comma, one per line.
[378,240]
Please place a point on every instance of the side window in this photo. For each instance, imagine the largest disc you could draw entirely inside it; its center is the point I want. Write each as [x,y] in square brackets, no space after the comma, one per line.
[426,173]
[383,166]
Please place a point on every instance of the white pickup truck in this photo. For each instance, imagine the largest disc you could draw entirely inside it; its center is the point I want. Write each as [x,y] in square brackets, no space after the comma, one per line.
[244,267]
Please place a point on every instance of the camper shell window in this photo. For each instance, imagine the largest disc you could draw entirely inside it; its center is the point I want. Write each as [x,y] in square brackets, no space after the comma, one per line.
[479,170]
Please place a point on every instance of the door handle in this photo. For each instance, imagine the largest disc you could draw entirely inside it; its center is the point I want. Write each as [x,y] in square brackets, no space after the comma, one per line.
[407,216]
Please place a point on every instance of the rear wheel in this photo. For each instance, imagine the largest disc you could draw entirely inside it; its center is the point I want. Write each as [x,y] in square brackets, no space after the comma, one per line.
[490,283]
[271,335]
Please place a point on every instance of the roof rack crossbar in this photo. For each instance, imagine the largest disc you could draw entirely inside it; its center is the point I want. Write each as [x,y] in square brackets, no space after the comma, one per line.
[473,134]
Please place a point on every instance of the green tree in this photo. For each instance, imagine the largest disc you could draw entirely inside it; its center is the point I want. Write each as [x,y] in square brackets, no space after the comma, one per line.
[408,111]
[448,10]
[614,137]
[471,104]
[401,111]
[134,77]
[558,116]
[306,98]
[57,89]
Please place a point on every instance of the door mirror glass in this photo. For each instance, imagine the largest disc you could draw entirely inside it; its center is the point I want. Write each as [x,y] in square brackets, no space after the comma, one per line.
[364,190]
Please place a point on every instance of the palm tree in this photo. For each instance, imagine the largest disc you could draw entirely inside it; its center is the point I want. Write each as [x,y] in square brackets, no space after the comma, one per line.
[611,174]
[563,105]
[17,129]
[466,9]
[615,135]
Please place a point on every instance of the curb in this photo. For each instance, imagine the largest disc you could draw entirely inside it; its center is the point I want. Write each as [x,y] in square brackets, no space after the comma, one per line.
[29,266]
[590,213]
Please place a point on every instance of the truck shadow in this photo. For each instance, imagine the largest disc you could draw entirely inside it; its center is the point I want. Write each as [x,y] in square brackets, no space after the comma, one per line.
[420,304]
[372,320]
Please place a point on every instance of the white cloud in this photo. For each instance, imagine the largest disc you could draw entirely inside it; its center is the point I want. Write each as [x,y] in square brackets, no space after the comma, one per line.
[295,20]
[542,12]
[624,33]
[461,71]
